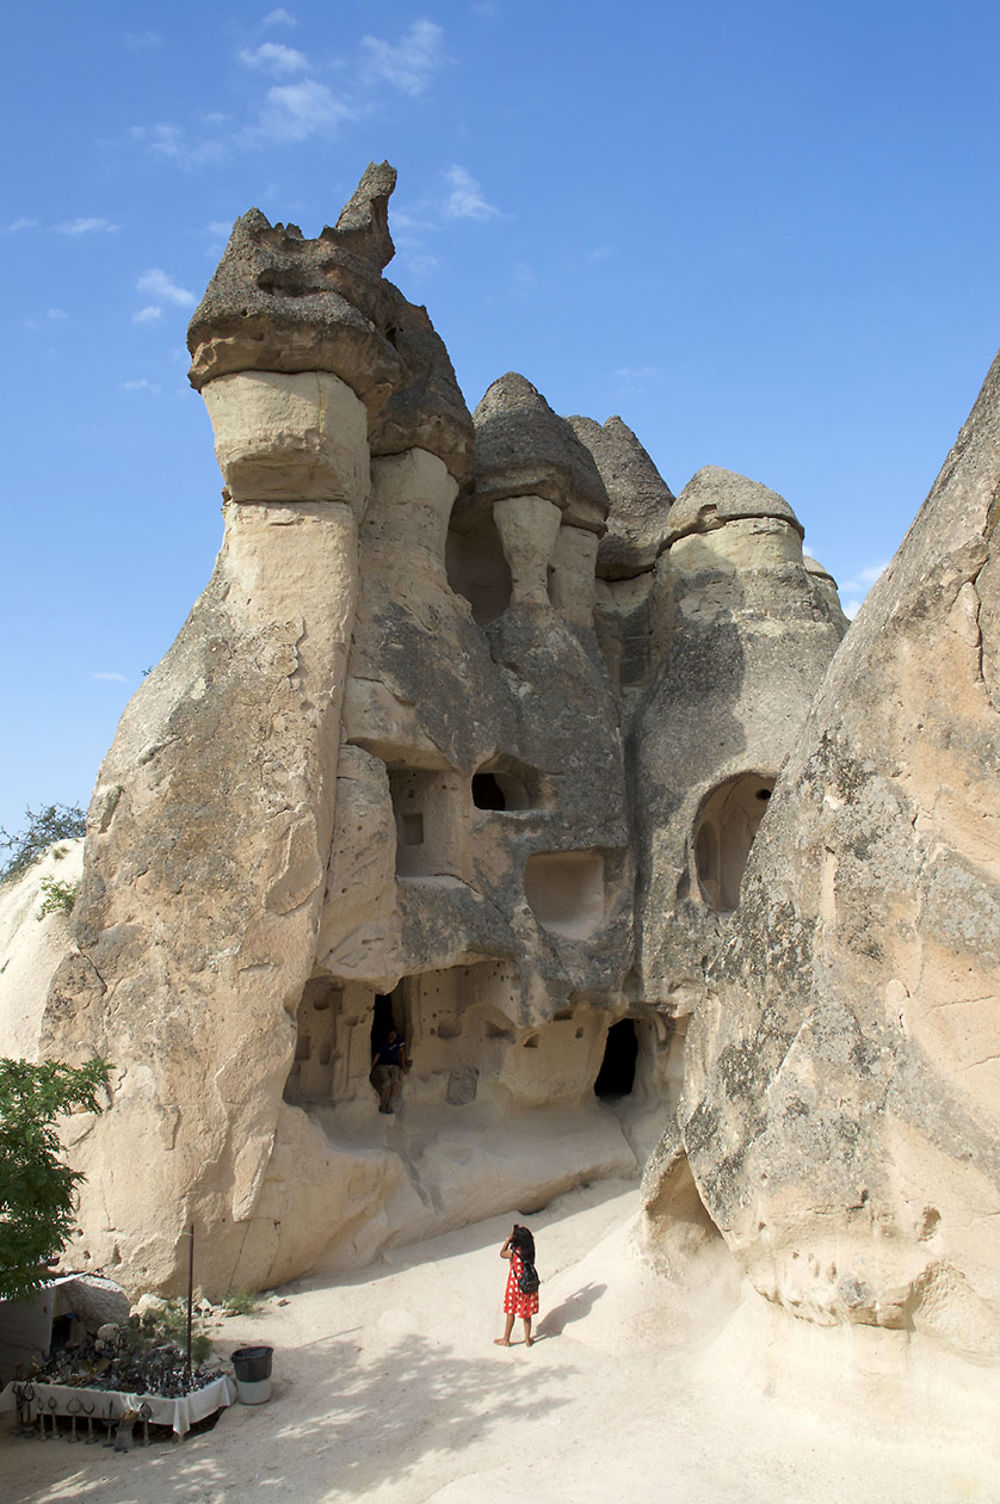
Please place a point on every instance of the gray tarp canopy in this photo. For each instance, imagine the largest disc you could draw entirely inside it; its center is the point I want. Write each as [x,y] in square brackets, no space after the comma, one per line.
[26,1325]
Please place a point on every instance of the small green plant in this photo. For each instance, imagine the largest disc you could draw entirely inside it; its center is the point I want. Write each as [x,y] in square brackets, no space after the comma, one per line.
[240,1303]
[56,822]
[172,1321]
[59,897]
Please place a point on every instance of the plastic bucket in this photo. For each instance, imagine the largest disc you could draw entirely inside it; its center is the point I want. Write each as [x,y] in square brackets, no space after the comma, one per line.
[252,1369]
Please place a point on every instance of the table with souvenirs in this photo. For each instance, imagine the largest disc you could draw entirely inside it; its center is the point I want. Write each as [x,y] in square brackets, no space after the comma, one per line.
[96,1414]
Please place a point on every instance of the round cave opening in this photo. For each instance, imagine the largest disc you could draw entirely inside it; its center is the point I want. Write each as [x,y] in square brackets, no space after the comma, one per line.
[616,1077]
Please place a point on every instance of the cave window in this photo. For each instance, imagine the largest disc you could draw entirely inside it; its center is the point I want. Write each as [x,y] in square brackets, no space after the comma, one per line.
[616,1077]
[411,829]
[724,833]
[486,792]
[477,568]
[425,806]
[506,784]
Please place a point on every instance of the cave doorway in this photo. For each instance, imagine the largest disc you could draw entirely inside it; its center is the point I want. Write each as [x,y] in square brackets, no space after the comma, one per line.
[616,1077]
[387,1013]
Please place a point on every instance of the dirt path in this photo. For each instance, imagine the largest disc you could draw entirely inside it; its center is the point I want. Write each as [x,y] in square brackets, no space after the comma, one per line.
[387,1387]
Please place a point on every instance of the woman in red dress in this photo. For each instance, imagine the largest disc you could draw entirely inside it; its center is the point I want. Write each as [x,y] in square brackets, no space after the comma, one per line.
[520,1250]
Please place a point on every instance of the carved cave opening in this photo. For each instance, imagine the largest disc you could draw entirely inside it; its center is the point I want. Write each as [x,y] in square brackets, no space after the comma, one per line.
[387,1013]
[724,833]
[616,1077]
[428,830]
[311,1077]
[505,784]
[565,891]
[477,568]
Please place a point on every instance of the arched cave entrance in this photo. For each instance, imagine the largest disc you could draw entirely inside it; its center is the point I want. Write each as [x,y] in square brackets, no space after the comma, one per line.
[724,832]
[616,1077]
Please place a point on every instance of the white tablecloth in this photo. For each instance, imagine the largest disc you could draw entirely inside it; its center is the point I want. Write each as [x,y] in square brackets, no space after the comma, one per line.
[110,1404]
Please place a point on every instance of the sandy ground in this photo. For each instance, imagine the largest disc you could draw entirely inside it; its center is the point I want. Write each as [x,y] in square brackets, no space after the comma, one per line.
[387,1386]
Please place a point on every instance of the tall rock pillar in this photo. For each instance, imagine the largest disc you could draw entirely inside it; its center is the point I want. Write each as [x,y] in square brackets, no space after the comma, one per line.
[210,828]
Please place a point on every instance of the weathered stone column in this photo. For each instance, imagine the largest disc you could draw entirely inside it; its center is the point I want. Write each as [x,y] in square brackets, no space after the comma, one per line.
[528,528]
[210,828]
[209,837]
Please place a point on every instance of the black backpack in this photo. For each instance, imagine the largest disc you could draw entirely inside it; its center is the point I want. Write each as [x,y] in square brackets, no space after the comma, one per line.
[528,1282]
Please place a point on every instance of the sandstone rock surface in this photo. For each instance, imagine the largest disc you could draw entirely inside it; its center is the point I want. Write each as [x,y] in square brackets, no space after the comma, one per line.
[842,1110]
[740,643]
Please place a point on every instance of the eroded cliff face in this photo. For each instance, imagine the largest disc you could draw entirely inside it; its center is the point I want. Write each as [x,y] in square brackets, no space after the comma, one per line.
[842,1093]
[456,684]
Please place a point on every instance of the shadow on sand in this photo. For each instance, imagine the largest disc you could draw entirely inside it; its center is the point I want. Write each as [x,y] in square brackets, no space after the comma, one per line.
[374,1421]
[574,1308]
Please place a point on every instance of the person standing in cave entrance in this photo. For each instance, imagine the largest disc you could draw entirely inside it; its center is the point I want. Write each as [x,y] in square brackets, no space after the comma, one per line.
[388,1065]
[517,1301]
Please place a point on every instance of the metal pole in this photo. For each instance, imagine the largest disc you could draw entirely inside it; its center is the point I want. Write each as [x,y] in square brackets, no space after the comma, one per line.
[190,1297]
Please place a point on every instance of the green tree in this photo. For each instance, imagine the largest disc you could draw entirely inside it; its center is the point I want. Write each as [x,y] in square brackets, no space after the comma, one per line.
[37,1190]
[55,822]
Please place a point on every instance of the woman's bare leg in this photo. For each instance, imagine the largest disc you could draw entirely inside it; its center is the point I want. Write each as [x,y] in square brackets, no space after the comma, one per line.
[504,1341]
[528,1338]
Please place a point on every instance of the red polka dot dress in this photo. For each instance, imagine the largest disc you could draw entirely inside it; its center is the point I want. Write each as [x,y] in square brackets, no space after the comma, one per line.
[515,1303]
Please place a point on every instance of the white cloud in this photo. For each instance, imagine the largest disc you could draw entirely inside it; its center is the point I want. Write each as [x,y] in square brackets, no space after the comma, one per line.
[141,385]
[20,224]
[157,284]
[170,143]
[57,315]
[141,41]
[294,112]
[279,17]
[87,227]
[415,261]
[601,253]
[853,591]
[466,201]
[638,380]
[274,57]
[638,373]
[147,315]
[410,64]
[111,678]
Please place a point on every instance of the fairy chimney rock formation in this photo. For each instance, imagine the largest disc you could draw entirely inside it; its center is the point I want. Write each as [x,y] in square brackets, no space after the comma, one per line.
[469,735]
[640,498]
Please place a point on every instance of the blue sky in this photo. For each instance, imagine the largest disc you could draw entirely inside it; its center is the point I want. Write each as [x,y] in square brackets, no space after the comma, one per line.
[763,234]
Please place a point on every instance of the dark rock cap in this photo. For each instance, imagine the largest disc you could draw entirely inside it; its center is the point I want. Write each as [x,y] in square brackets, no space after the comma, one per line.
[713,497]
[640,498]
[523,448]
[280,302]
